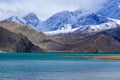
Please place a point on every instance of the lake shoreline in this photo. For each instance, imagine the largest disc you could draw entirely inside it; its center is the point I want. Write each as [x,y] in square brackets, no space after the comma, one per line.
[94,57]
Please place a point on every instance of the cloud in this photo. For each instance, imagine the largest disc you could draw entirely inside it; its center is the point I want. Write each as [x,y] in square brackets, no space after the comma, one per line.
[44,8]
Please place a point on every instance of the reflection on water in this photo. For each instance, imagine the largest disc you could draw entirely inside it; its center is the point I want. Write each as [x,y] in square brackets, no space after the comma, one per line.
[59,70]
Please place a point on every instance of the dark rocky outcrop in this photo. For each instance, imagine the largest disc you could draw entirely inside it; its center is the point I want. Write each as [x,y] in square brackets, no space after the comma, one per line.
[114,33]
[12,42]
[100,42]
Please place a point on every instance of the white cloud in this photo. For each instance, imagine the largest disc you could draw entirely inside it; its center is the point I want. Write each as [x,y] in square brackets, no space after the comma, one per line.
[44,8]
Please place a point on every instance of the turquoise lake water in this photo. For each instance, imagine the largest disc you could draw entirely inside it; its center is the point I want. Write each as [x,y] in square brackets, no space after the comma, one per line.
[51,67]
[47,56]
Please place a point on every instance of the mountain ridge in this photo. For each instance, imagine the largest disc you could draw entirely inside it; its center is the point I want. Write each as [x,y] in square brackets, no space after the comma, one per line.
[12,42]
[59,20]
[29,19]
[111,9]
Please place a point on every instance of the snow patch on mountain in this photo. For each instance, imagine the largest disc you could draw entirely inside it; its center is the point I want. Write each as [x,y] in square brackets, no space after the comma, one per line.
[66,29]
[30,19]
[89,28]
[101,27]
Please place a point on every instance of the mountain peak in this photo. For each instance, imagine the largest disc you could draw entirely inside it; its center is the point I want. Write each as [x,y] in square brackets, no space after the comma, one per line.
[75,19]
[111,9]
[12,18]
[15,19]
[31,19]
[30,16]
[31,13]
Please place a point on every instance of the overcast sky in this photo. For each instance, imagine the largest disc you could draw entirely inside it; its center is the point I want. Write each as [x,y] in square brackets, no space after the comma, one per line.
[44,8]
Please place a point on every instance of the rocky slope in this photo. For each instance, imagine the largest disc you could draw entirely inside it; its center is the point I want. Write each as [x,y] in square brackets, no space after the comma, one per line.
[102,41]
[37,38]
[98,43]
[114,33]
[12,42]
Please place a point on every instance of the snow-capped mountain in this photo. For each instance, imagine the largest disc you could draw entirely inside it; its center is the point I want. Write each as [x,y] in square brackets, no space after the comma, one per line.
[76,18]
[101,27]
[111,9]
[88,28]
[30,19]
[16,19]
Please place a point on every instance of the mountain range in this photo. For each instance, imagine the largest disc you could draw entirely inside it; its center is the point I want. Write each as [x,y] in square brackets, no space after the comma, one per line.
[59,20]
[21,38]
[78,31]
[75,18]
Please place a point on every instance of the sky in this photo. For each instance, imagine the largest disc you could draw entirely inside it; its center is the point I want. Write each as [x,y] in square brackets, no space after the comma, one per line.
[45,8]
